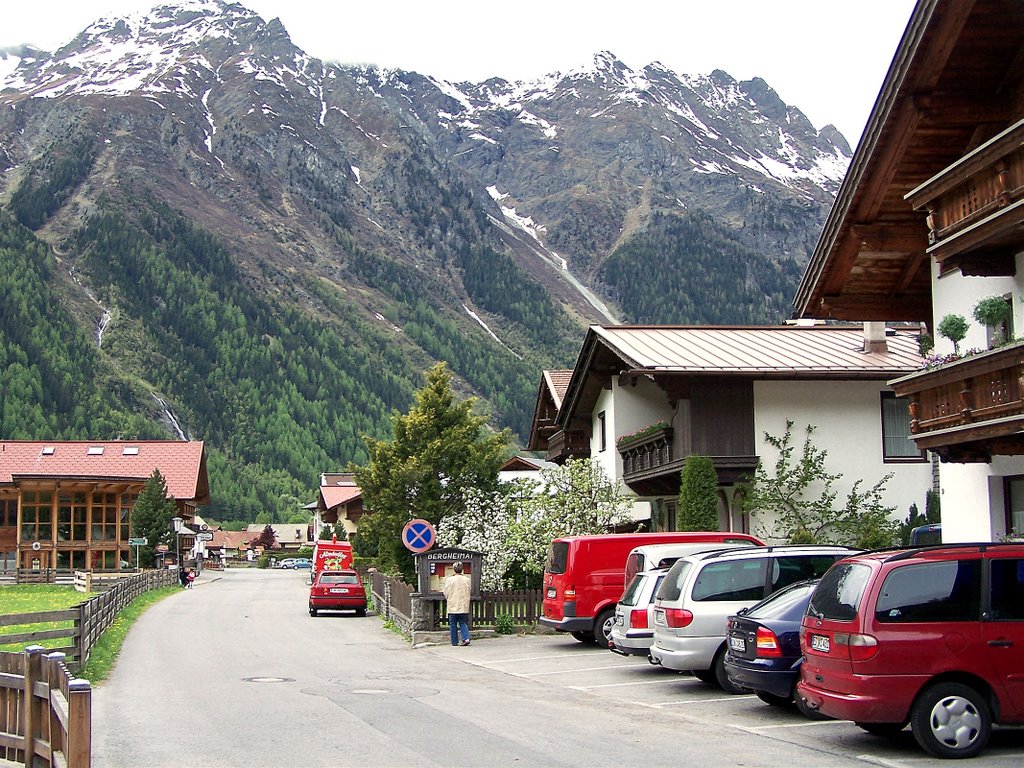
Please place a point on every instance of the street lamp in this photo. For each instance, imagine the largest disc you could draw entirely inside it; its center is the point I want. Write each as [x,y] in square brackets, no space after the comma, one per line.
[176,527]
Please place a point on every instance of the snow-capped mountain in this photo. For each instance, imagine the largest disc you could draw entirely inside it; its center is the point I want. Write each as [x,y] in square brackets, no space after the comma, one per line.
[514,212]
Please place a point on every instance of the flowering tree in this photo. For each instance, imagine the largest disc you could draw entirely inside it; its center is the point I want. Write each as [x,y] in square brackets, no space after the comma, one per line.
[513,527]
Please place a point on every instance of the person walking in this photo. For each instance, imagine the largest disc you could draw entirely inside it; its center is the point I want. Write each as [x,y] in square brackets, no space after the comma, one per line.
[190,578]
[457,589]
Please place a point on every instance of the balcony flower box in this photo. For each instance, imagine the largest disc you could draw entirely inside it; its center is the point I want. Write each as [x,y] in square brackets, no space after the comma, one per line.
[653,431]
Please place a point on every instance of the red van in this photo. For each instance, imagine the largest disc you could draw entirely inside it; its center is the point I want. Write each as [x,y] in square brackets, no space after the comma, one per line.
[584,577]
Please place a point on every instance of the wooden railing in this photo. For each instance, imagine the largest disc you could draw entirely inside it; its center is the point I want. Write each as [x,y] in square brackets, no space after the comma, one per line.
[642,454]
[568,444]
[977,203]
[979,398]
[86,620]
[45,713]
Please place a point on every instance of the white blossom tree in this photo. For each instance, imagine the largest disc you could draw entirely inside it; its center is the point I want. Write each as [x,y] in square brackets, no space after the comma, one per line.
[514,526]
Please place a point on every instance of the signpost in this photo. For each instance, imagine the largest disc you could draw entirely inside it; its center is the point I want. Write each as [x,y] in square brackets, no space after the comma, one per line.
[418,535]
[140,542]
[204,536]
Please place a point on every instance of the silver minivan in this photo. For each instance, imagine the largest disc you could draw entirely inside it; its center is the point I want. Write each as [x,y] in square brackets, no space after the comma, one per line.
[633,628]
[701,591]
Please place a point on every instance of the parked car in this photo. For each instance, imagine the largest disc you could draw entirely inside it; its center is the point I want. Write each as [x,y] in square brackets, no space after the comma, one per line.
[585,575]
[932,637]
[701,591]
[337,591]
[285,562]
[633,629]
[763,646]
[649,557]
[302,562]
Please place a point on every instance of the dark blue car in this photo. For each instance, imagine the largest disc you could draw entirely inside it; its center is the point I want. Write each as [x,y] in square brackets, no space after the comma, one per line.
[763,646]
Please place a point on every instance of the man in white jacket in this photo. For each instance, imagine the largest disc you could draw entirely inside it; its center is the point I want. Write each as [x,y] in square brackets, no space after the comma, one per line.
[457,588]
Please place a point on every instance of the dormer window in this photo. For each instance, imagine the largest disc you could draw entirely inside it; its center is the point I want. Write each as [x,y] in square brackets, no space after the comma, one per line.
[130,450]
[48,450]
[95,450]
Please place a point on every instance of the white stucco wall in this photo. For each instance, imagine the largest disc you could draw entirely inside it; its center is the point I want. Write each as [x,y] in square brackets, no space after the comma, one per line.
[973,503]
[848,425]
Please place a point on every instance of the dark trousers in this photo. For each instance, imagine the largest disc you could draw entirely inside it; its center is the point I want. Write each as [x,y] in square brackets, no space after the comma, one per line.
[458,623]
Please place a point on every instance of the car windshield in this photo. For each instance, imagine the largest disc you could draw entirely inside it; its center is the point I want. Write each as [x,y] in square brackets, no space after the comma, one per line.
[788,603]
[339,578]
[558,557]
[839,592]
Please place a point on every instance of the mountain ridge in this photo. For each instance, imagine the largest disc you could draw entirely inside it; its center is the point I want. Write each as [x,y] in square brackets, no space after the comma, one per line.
[394,218]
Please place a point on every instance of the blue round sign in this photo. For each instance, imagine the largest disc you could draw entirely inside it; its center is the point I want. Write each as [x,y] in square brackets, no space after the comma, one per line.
[418,535]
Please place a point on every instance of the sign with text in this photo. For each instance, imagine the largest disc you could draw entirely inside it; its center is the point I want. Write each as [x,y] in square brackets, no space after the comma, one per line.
[138,542]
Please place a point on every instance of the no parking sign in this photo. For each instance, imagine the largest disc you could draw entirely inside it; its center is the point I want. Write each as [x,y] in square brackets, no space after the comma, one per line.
[418,535]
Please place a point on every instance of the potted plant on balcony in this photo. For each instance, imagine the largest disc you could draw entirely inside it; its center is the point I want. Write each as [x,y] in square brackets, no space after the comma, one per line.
[954,328]
[624,441]
[993,312]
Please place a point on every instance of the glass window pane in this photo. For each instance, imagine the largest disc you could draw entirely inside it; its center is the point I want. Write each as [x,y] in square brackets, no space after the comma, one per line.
[945,591]
[896,442]
[1008,589]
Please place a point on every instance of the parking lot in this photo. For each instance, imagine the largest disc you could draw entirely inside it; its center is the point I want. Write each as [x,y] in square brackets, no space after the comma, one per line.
[558,662]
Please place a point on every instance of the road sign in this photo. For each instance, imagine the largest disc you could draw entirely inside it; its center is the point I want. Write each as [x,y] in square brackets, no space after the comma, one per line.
[418,535]
[204,536]
[138,542]
[162,548]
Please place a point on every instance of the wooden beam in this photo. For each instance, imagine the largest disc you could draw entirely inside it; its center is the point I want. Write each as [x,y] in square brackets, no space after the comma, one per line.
[911,309]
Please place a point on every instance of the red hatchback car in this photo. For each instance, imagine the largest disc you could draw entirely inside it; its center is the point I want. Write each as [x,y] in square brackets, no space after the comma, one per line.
[933,637]
[338,591]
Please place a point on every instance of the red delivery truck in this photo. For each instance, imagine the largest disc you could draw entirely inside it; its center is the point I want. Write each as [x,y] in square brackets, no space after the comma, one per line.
[584,576]
[332,555]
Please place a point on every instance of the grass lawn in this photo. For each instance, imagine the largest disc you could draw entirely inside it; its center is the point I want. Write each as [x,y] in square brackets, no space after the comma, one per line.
[30,598]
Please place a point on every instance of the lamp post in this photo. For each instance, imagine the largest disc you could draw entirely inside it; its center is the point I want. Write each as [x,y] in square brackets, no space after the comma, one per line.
[176,527]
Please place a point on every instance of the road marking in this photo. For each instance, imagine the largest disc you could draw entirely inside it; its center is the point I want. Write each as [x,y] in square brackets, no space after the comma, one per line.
[532,658]
[583,669]
[805,724]
[617,685]
[696,701]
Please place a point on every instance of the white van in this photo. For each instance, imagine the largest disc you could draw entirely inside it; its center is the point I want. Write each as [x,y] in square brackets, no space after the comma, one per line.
[649,557]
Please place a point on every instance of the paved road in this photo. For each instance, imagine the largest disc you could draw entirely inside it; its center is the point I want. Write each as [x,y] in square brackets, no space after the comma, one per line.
[236,673]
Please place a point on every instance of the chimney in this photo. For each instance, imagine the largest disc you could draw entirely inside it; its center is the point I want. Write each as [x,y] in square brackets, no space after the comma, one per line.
[874,338]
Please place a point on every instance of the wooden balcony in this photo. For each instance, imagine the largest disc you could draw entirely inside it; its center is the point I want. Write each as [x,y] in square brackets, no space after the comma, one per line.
[568,444]
[971,409]
[651,451]
[976,207]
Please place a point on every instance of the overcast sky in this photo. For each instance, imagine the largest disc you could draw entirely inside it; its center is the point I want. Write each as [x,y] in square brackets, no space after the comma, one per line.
[826,57]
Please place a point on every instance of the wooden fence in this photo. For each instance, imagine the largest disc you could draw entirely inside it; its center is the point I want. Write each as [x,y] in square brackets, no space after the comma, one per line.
[45,713]
[88,619]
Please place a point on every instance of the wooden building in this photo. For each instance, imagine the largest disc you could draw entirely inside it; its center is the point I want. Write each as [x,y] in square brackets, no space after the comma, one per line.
[929,221]
[66,505]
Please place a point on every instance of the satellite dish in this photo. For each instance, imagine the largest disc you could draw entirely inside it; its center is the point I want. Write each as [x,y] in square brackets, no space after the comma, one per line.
[36,546]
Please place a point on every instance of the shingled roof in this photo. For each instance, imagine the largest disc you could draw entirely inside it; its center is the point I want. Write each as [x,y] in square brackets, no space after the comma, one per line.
[182,463]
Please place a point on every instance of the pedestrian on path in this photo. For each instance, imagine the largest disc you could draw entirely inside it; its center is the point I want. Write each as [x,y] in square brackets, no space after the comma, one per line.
[457,589]
[190,578]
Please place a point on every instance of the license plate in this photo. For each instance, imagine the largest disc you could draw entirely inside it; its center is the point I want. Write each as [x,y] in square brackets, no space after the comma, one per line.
[339,591]
[659,618]
[738,644]
[551,593]
[820,643]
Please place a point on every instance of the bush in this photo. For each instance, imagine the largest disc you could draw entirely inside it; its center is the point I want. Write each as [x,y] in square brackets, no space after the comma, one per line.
[504,624]
[263,561]
[698,495]
[954,328]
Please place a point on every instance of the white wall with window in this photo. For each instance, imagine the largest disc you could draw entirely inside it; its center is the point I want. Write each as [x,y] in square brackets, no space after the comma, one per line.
[848,417]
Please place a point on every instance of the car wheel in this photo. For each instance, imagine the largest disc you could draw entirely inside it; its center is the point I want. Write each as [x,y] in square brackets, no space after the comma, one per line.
[718,668]
[886,730]
[603,627]
[360,611]
[706,676]
[772,699]
[583,637]
[951,720]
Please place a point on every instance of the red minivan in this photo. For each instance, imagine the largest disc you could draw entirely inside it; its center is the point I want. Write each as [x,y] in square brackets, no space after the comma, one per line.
[585,575]
[932,637]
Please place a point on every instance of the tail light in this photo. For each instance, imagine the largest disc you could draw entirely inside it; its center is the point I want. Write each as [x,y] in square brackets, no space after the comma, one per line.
[678,617]
[569,593]
[860,647]
[767,643]
[638,620]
